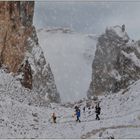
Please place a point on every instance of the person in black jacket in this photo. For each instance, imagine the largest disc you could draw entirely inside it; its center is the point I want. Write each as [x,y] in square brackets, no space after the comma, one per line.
[97,111]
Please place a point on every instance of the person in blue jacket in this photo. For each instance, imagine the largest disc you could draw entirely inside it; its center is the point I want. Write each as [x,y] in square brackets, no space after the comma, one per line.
[78,113]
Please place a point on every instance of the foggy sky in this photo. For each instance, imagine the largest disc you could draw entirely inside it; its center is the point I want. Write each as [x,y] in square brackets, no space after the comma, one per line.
[89,17]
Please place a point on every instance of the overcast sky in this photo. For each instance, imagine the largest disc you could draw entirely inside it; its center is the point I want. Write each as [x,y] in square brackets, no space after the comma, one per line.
[89,17]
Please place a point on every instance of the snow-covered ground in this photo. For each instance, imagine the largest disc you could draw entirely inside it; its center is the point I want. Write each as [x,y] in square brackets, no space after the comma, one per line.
[120,116]
[70,55]
[22,117]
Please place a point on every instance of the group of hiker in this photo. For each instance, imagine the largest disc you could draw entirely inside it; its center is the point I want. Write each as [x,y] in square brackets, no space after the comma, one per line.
[77,113]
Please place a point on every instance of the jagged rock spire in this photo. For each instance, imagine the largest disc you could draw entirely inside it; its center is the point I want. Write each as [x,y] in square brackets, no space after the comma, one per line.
[116,64]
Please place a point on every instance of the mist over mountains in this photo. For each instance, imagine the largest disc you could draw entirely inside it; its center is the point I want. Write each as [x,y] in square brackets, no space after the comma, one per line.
[88,17]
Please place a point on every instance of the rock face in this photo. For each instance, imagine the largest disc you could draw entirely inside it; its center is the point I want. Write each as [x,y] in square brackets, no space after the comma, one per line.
[15,28]
[116,64]
[20,52]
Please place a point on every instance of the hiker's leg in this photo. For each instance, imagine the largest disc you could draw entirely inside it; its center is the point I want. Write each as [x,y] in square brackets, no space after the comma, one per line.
[96,116]
[77,118]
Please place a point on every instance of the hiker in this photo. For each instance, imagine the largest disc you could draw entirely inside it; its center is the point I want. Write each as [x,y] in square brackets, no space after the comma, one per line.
[54,118]
[84,109]
[97,111]
[89,110]
[77,110]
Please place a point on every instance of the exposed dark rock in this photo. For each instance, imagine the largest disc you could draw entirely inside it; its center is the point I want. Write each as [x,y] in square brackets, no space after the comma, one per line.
[116,64]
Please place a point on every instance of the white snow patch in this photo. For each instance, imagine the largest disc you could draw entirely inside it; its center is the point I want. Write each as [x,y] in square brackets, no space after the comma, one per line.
[133,57]
[115,74]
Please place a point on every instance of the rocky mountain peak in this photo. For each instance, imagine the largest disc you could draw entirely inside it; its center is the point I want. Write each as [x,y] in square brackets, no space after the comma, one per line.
[116,62]
[117,32]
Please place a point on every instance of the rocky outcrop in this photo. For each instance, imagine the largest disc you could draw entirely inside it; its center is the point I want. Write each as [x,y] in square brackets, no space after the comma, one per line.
[19,46]
[15,28]
[116,64]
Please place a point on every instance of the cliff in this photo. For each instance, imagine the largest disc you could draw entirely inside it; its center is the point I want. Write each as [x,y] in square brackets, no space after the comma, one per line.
[20,52]
[116,64]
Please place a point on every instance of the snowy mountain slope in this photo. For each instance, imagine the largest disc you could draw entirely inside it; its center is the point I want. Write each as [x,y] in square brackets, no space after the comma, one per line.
[121,114]
[10,85]
[70,55]
[120,117]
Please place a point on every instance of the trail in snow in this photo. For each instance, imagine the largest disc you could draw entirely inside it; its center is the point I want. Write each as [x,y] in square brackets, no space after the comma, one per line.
[120,122]
[37,126]
[95,131]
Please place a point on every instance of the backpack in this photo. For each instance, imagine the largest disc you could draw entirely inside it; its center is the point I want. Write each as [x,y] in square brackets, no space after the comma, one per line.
[98,110]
